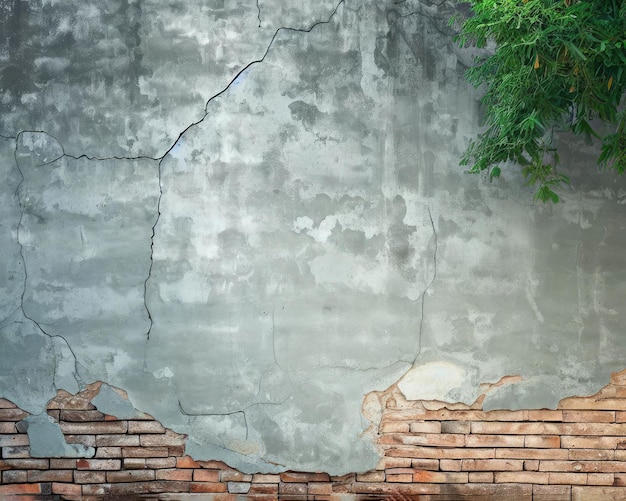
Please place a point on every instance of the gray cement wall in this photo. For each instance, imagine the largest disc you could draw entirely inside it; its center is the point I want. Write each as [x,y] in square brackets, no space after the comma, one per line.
[249,215]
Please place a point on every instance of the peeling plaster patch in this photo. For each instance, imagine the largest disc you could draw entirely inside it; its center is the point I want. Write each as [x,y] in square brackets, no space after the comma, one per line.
[432,381]
[47,441]
[108,401]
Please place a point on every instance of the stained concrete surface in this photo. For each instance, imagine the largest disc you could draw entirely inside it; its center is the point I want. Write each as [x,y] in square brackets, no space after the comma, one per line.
[250,215]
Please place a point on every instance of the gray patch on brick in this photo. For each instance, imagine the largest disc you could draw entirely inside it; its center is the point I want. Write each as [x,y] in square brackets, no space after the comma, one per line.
[238,487]
[110,402]
[47,440]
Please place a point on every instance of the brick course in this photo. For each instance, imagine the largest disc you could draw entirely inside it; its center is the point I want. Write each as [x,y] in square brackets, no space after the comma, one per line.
[576,452]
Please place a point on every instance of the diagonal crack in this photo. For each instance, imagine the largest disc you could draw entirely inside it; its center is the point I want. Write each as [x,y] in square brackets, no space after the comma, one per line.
[21,246]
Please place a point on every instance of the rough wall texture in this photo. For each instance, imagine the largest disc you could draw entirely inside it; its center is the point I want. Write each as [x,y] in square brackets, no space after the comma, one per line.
[429,451]
[250,215]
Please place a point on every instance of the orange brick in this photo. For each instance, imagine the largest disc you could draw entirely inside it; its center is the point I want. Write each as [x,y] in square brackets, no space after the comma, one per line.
[405,415]
[620,417]
[393,462]
[608,404]
[600,478]
[481,477]
[521,477]
[135,463]
[183,474]
[207,487]
[574,416]
[531,464]
[320,488]
[462,427]
[580,493]
[542,441]
[81,415]
[262,478]
[431,439]
[237,476]
[435,477]
[425,427]
[161,439]
[545,415]
[450,464]
[292,476]
[551,492]
[435,453]
[471,415]
[567,478]
[12,414]
[396,490]
[186,462]
[494,441]
[371,476]
[614,429]
[89,477]
[20,489]
[492,465]
[511,428]
[206,475]
[595,442]
[594,455]
[86,440]
[24,464]
[425,464]
[264,489]
[400,477]
[394,427]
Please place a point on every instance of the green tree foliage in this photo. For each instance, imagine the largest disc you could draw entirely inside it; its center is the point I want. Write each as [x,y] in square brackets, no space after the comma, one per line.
[557,65]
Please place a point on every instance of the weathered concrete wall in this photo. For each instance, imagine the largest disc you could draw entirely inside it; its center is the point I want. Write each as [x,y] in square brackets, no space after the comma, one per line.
[251,215]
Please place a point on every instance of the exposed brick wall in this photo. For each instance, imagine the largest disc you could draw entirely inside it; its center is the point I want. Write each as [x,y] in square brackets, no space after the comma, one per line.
[431,450]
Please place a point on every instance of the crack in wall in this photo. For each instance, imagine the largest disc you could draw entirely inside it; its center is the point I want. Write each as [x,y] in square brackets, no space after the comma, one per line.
[258,8]
[432,281]
[76,374]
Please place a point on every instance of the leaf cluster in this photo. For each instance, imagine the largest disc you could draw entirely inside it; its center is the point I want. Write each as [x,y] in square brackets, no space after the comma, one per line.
[557,65]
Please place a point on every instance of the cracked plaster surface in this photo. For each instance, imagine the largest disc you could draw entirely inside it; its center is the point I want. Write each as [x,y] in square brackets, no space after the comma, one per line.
[249,216]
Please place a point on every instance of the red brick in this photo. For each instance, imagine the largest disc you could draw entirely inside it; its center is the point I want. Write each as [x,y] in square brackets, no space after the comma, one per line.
[135,464]
[237,476]
[145,452]
[14,477]
[176,450]
[542,441]
[574,416]
[615,429]
[427,439]
[6,404]
[159,462]
[109,452]
[608,404]
[130,476]
[98,464]
[444,453]
[620,417]
[594,455]
[292,488]
[207,487]
[9,414]
[161,439]
[492,465]
[24,464]
[470,415]
[35,476]
[522,477]
[67,490]
[265,489]
[81,416]
[117,440]
[481,477]
[506,453]
[393,462]
[89,477]
[399,477]
[86,440]
[292,476]
[133,489]
[186,462]
[545,415]
[94,428]
[174,474]
[63,464]
[494,441]
[80,401]
[13,440]
[19,489]
[425,464]
[395,427]
[567,478]
[396,490]
[96,490]
[319,488]
[145,427]
[200,475]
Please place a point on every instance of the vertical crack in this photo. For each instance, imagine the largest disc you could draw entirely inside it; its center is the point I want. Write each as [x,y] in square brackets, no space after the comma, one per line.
[429,285]
[258,8]
[77,377]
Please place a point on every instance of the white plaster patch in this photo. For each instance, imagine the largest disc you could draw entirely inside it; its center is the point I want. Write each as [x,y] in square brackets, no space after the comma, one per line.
[164,373]
[432,381]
